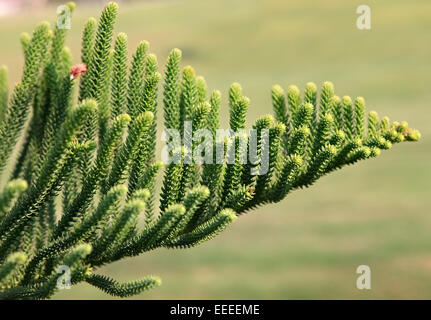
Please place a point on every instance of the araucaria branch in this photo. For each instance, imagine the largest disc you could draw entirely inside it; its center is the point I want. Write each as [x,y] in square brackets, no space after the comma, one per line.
[95,152]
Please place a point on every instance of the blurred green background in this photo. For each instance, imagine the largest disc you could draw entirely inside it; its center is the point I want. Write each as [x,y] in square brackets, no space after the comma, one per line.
[308,246]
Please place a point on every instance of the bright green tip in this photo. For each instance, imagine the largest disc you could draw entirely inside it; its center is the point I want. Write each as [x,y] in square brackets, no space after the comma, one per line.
[228,214]
[137,204]
[204,107]
[395,124]
[202,191]
[309,107]
[297,160]
[152,58]
[92,21]
[71,5]
[216,93]
[387,145]
[84,249]
[188,71]
[360,100]
[412,135]
[366,152]
[121,188]
[311,86]
[385,123]
[328,88]
[236,86]
[332,150]
[158,164]
[374,152]
[148,116]
[89,104]
[328,84]
[402,127]
[66,50]
[336,99]
[293,90]
[340,134]
[44,25]
[328,117]
[176,52]
[357,142]
[280,127]
[157,280]
[347,100]
[305,130]
[277,89]
[143,46]
[200,79]
[146,194]
[177,209]
[373,114]
[24,36]
[112,6]
[124,118]
[265,121]
[245,100]
[231,216]
[19,185]
[17,257]
[122,36]
[141,194]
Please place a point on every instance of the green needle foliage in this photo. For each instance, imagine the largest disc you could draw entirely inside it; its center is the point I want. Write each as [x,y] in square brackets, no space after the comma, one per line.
[82,189]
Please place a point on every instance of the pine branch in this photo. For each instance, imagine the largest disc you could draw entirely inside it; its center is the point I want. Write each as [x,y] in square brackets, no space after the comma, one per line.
[77,148]
[123,290]
[16,113]
[4,91]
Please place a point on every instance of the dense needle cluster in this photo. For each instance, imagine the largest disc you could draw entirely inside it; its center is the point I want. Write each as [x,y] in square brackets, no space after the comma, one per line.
[86,170]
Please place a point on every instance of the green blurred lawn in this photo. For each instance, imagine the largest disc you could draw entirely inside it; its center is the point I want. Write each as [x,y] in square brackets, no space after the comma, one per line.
[309,245]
